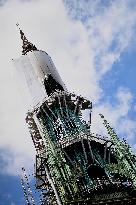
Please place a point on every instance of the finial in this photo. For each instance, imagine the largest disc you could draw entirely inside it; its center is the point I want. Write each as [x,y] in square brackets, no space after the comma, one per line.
[17,24]
[27,46]
[102,116]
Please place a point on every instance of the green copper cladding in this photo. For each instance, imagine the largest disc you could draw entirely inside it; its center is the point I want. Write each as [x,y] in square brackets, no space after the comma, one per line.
[59,121]
[78,164]
[81,166]
[126,159]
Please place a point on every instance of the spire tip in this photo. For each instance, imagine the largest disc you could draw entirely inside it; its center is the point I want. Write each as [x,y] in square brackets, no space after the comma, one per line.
[27,46]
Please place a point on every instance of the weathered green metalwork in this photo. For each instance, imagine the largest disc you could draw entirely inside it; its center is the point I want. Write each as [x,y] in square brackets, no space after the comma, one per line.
[126,159]
[84,168]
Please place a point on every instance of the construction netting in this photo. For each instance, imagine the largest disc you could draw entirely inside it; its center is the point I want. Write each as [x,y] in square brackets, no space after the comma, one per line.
[33,68]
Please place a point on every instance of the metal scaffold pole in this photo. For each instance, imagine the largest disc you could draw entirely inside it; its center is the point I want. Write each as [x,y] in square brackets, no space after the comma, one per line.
[52,185]
[46,167]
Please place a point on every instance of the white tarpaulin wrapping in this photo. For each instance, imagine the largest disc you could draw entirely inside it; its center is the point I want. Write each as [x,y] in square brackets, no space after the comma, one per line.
[32,69]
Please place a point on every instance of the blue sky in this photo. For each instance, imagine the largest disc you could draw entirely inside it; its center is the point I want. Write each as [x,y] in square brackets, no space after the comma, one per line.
[10,191]
[93,46]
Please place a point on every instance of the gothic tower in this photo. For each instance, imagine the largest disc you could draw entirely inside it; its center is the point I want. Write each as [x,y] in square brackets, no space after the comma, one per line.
[73,166]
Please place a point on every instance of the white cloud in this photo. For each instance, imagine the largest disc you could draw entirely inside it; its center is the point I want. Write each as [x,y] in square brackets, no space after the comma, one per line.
[12,161]
[81,52]
[117,116]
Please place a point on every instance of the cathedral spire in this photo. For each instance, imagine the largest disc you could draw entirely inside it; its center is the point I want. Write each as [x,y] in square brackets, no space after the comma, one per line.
[27,46]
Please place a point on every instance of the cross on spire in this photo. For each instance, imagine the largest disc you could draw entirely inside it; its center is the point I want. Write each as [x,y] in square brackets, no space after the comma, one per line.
[27,46]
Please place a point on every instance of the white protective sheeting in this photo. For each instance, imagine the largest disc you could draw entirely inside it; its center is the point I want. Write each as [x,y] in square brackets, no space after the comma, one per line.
[33,68]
